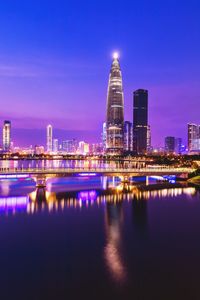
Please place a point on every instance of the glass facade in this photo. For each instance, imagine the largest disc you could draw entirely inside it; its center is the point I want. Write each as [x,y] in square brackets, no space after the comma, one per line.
[140,121]
[128,136]
[193,137]
[115,110]
[49,138]
[170,144]
[6,135]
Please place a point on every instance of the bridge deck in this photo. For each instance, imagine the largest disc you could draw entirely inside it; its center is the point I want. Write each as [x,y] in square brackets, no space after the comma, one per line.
[94,171]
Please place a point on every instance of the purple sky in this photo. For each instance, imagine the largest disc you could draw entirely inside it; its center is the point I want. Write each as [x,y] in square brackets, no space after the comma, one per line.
[55,60]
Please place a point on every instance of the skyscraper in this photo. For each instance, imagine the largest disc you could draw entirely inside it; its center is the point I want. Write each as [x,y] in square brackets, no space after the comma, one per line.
[178,145]
[128,136]
[83,148]
[70,146]
[55,145]
[149,138]
[170,144]
[140,121]
[104,136]
[193,137]
[49,138]
[6,135]
[115,110]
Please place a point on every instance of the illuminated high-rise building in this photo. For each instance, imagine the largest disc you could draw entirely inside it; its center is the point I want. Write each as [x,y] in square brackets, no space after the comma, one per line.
[193,137]
[128,136]
[39,150]
[148,138]
[140,121]
[104,136]
[83,148]
[49,138]
[7,135]
[70,146]
[115,110]
[170,144]
[96,148]
[55,145]
[178,145]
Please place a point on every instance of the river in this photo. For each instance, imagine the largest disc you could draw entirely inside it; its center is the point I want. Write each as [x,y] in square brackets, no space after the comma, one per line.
[92,238]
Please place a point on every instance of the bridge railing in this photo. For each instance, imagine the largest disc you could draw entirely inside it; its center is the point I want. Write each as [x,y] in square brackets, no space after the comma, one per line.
[162,169]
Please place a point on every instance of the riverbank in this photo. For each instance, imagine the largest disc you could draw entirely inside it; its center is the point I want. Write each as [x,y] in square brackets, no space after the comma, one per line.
[164,185]
[195,180]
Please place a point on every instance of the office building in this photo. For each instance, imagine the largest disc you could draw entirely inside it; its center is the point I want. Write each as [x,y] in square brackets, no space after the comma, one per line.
[149,148]
[193,137]
[196,145]
[39,150]
[104,137]
[96,149]
[70,146]
[7,136]
[178,145]
[55,145]
[128,136]
[49,138]
[170,144]
[115,110]
[140,121]
[83,148]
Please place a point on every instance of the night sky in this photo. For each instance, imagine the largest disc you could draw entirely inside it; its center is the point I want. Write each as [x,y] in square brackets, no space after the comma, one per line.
[55,58]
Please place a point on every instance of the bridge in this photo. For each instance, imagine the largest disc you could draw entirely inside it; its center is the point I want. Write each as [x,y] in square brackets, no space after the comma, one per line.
[41,175]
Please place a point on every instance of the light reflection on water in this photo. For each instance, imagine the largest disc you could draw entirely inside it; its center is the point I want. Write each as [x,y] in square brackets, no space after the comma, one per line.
[113,249]
[58,198]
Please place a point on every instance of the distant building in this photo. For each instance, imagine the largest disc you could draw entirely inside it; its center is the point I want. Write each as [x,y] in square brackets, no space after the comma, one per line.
[55,145]
[83,148]
[115,110]
[173,145]
[170,144]
[128,136]
[7,136]
[96,148]
[140,121]
[193,137]
[149,148]
[49,138]
[178,145]
[29,150]
[39,150]
[104,136]
[196,145]
[70,146]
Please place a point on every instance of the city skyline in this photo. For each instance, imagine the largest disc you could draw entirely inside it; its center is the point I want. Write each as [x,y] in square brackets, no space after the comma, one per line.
[46,64]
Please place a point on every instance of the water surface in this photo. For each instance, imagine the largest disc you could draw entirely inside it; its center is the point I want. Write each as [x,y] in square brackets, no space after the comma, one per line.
[87,239]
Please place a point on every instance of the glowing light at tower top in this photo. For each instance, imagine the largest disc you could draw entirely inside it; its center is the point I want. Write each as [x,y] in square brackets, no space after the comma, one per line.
[115,55]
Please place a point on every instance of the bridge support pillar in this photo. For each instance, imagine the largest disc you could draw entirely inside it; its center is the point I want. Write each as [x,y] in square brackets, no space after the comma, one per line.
[125,184]
[41,194]
[41,181]
[125,179]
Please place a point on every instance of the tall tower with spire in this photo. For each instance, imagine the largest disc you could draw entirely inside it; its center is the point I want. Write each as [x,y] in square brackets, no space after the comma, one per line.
[115,109]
